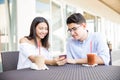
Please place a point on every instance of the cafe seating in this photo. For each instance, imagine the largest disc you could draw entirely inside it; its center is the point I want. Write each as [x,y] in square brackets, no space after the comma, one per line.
[9,60]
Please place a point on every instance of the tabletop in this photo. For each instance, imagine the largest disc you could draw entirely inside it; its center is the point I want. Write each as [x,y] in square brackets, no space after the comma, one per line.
[66,72]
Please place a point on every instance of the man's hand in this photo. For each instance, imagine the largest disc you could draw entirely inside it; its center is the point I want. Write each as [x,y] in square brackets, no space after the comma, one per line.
[71,61]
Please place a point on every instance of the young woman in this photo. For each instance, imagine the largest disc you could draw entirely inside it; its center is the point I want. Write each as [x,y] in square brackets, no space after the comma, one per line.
[34,48]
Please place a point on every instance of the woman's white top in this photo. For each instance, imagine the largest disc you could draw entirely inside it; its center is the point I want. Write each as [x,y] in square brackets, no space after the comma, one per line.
[26,50]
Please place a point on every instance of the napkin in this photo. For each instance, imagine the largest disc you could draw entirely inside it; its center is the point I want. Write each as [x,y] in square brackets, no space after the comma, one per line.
[35,67]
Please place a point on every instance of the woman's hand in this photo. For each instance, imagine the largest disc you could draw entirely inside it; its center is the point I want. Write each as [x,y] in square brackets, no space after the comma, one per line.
[60,60]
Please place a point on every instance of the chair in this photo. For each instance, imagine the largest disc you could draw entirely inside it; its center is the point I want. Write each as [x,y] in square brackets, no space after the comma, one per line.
[9,60]
[110,62]
[110,50]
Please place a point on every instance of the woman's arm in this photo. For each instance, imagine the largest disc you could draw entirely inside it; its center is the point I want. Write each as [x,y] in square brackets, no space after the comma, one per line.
[56,61]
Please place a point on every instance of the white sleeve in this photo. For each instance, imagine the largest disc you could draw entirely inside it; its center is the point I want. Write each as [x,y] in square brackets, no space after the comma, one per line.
[26,49]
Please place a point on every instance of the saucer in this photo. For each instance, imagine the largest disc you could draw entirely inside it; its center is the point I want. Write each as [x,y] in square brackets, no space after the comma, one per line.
[86,65]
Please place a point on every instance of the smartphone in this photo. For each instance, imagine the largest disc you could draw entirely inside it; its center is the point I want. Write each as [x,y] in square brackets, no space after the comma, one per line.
[65,56]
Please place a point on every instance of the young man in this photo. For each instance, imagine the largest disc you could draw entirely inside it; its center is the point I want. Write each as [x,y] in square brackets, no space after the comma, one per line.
[83,42]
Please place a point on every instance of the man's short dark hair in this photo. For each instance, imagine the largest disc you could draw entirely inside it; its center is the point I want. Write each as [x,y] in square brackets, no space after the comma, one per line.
[76,18]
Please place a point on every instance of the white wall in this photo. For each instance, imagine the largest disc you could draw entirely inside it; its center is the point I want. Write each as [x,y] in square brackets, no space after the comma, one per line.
[25,15]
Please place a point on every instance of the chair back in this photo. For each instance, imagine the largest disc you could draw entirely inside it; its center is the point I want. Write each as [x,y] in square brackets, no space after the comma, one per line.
[110,63]
[9,60]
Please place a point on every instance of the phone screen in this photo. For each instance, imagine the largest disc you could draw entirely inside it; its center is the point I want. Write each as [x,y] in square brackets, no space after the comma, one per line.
[65,56]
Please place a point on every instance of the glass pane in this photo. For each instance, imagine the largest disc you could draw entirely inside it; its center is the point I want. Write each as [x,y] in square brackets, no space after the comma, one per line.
[90,20]
[69,10]
[57,28]
[13,23]
[3,26]
[43,8]
[8,27]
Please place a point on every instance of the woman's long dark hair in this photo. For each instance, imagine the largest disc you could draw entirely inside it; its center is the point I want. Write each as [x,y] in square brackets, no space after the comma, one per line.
[32,34]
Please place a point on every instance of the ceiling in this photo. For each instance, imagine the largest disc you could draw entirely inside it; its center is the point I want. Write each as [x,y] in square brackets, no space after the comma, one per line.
[113,4]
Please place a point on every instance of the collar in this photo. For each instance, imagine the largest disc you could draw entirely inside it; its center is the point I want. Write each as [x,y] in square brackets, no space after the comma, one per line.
[88,35]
